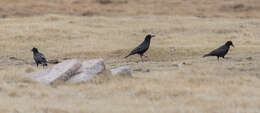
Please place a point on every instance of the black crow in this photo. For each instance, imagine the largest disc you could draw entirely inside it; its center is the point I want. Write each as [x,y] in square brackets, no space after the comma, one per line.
[39,58]
[221,51]
[142,48]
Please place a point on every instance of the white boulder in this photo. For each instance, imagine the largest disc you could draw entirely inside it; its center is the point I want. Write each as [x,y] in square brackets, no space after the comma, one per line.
[62,71]
[124,70]
[89,70]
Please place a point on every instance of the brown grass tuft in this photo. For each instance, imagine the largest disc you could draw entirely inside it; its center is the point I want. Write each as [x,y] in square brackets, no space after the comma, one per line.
[29,70]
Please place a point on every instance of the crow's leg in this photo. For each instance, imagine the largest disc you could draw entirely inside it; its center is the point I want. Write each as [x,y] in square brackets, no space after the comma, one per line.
[37,65]
[218,58]
[146,56]
[43,65]
[141,55]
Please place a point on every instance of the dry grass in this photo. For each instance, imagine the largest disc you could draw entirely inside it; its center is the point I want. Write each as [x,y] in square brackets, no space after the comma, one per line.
[198,8]
[201,85]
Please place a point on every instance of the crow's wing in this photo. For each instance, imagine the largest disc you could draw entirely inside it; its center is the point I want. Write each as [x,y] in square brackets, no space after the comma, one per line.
[141,48]
[40,58]
[219,51]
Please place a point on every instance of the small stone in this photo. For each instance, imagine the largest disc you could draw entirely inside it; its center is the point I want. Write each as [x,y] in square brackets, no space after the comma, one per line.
[249,58]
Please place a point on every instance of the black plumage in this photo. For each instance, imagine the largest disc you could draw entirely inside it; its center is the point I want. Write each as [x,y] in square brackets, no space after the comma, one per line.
[39,58]
[221,51]
[143,47]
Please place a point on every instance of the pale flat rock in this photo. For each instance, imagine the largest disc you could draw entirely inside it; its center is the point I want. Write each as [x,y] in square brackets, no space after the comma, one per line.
[124,70]
[89,70]
[62,71]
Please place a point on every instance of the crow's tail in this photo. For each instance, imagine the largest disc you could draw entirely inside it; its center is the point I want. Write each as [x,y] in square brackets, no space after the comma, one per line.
[206,55]
[127,55]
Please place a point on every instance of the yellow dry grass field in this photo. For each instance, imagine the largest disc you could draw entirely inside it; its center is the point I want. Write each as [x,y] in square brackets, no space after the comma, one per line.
[198,85]
[198,8]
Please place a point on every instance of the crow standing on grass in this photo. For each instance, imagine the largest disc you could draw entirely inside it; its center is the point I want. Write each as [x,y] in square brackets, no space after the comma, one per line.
[39,58]
[221,51]
[142,48]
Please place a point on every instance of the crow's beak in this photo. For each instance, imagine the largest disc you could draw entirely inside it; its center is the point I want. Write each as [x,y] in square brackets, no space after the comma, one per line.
[152,35]
[233,45]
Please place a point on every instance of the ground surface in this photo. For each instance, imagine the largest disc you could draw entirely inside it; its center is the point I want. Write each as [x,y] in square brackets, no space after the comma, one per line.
[200,85]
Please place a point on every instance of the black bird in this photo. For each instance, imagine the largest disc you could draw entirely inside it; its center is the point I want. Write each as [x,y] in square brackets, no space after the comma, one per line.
[39,58]
[143,47]
[221,51]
